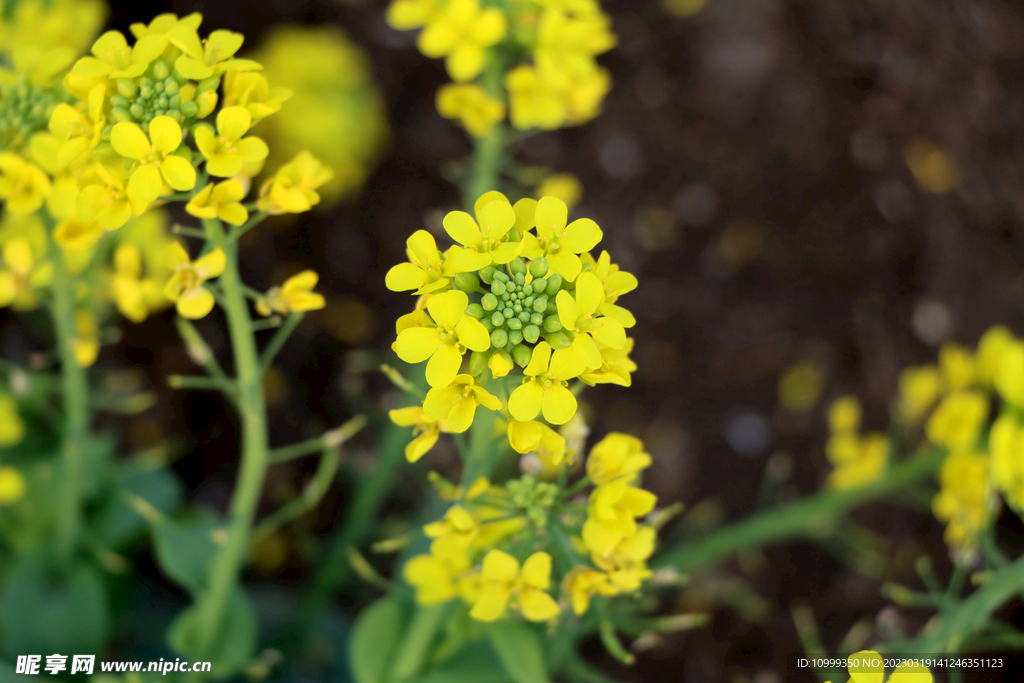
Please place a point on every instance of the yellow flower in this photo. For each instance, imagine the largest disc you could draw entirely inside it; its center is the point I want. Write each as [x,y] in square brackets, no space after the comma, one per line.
[615,282]
[919,388]
[425,270]
[163,23]
[532,435]
[471,105]
[185,287]
[444,340]
[293,187]
[78,131]
[482,244]
[12,427]
[252,91]
[503,581]
[858,460]
[113,57]
[567,45]
[582,315]
[558,243]
[23,185]
[867,666]
[616,366]
[626,561]
[990,353]
[616,456]
[500,363]
[584,94]
[544,388]
[106,200]
[131,292]
[73,234]
[563,186]
[404,15]
[582,583]
[70,24]
[1009,378]
[21,275]
[963,501]
[957,422]
[157,161]
[434,578]
[227,151]
[425,433]
[12,485]
[203,59]
[844,415]
[534,102]
[86,342]
[457,402]
[222,201]
[956,365]
[454,534]
[1006,442]
[461,32]
[611,514]
[296,295]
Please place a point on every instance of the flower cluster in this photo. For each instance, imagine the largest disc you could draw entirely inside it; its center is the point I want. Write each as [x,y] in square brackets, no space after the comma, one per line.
[951,406]
[486,548]
[511,298]
[545,52]
[857,458]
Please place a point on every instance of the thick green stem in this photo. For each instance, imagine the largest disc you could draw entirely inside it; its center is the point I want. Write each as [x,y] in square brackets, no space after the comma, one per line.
[805,518]
[224,572]
[75,390]
[488,150]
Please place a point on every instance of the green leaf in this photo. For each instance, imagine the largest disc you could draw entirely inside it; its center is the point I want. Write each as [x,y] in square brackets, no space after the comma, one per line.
[519,648]
[185,549]
[374,639]
[471,665]
[117,522]
[46,610]
[237,638]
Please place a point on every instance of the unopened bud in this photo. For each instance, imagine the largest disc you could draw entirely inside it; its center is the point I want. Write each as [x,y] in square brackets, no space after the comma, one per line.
[521,355]
[558,340]
[477,362]
[467,282]
[539,267]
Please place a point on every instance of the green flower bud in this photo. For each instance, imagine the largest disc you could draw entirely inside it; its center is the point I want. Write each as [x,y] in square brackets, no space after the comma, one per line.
[539,267]
[189,109]
[518,267]
[487,274]
[537,319]
[558,340]
[531,333]
[552,324]
[514,235]
[171,87]
[488,325]
[520,279]
[514,324]
[489,302]
[554,284]
[175,102]
[478,362]
[158,87]
[119,101]
[500,275]
[524,317]
[475,311]
[527,290]
[137,111]
[160,70]
[120,115]
[467,282]
[540,304]
[127,87]
[551,308]
[145,82]
[539,285]
[498,320]
[522,355]
[517,307]
[515,337]
[145,91]
[498,287]
[528,302]
[499,338]
[507,312]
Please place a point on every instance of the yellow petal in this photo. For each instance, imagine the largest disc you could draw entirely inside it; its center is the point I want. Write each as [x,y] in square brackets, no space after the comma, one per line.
[178,173]
[559,405]
[443,366]
[211,265]
[499,566]
[526,401]
[551,216]
[581,236]
[195,303]
[537,605]
[129,141]
[461,227]
[417,344]
[165,134]
[586,350]
[860,670]
[539,360]
[492,603]
[589,293]
[537,570]
[472,334]
[419,446]
[568,312]
[447,309]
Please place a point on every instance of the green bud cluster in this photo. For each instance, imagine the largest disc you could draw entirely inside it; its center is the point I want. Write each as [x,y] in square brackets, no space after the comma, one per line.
[156,93]
[517,313]
[533,497]
[24,111]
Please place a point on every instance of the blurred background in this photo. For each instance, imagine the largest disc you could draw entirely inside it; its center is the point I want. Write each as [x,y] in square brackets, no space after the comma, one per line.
[813,195]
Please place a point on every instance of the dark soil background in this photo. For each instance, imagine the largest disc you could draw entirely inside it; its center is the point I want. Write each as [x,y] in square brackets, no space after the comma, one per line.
[749,169]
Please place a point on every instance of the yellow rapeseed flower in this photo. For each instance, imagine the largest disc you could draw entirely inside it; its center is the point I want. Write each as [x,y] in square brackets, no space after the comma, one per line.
[205,58]
[616,366]
[405,15]
[12,485]
[564,186]
[458,401]
[626,561]
[252,91]
[857,460]
[293,188]
[12,427]
[568,44]
[426,430]
[454,533]
[221,200]
[957,421]
[503,582]
[228,150]
[963,500]
[155,156]
[582,315]
[1009,378]
[919,388]
[435,578]
[844,414]
[481,240]
[23,185]
[104,198]
[461,32]
[533,435]
[867,666]
[472,106]
[73,234]
[534,102]
[582,583]
[424,272]
[444,340]
[560,244]
[296,295]
[132,293]
[544,387]
[1006,443]
[956,365]
[78,131]
[185,287]
[990,353]
[617,456]
[86,342]
[612,513]
[114,58]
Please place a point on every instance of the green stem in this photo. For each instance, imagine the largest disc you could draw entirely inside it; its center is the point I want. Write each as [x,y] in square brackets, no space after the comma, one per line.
[481,460]
[805,518]
[279,339]
[75,389]
[224,572]
[488,150]
[331,439]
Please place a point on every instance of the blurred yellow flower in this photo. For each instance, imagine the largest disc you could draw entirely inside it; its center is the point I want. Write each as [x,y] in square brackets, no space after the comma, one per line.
[461,32]
[185,287]
[221,200]
[12,485]
[296,295]
[563,186]
[919,388]
[963,500]
[458,401]
[617,456]
[425,434]
[12,427]
[503,581]
[23,185]
[957,421]
[293,188]
[472,106]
